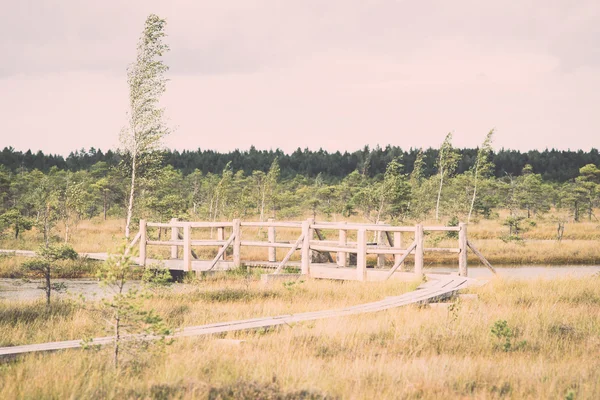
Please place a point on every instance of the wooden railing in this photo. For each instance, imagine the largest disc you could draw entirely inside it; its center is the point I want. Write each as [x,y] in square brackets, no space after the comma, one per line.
[307,243]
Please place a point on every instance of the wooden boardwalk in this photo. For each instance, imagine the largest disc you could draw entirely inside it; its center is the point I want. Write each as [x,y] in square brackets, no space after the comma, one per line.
[438,287]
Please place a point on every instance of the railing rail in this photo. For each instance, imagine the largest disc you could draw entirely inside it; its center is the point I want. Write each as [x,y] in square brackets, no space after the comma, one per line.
[387,240]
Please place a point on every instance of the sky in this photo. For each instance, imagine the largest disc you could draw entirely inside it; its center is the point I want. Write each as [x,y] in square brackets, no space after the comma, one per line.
[331,74]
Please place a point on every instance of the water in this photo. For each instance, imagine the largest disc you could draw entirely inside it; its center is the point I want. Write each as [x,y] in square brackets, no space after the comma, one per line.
[524,272]
[17,289]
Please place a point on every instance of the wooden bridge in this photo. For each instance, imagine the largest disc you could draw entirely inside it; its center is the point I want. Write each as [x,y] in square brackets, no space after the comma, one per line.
[308,238]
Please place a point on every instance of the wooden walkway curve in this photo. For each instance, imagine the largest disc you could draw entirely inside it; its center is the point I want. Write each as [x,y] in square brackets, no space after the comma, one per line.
[438,287]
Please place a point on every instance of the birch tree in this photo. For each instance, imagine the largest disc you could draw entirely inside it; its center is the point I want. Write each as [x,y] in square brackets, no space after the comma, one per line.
[146,128]
[482,167]
[415,181]
[271,182]
[447,162]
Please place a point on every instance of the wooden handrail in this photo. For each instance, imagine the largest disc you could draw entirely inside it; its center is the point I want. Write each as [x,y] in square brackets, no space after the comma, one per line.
[481,257]
[412,247]
[289,254]
[390,244]
[221,252]
[368,227]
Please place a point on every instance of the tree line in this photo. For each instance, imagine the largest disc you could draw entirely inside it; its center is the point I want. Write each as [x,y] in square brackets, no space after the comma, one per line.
[552,165]
[434,187]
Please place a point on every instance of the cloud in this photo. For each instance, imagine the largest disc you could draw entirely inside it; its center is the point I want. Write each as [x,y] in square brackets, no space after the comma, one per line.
[337,73]
[234,36]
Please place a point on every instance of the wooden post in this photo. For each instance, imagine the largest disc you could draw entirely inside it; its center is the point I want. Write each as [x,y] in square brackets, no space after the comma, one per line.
[187,247]
[380,257]
[237,243]
[305,254]
[143,240]
[361,254]
[342,255]
[462,246]
[311,235]
[271,238]
[398,245]
[419,239]
[221,236]
[174,238]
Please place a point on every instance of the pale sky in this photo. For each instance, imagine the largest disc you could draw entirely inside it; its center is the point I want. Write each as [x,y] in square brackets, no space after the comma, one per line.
[336,74]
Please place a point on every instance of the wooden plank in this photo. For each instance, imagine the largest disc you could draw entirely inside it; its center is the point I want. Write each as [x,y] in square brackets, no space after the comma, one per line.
[266,244]
[342,260]
[272,256]
[319,242]
[180,236]
[182,224]
[274,224]
[237,243]
[361,255]
[305,254]
[462,245]
[219,255]
[221,236]
[289,254]
[399,261]
[165,224]
[210,224]
[207,242]
[397,243]
[419,239]
[187,248]
[174,238]
[380,256]
[133,242]
[333,248]
[481,257]
[369,227]
[442,289]
[378,250]
[143,241]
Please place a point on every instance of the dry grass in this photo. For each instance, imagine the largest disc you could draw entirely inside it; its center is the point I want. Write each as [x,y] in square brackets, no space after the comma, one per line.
[579,246]
[411,352]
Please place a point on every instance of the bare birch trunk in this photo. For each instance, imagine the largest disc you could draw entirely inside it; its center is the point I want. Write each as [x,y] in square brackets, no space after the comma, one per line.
[437,204]
[104,205]
[131,196]
[474,194]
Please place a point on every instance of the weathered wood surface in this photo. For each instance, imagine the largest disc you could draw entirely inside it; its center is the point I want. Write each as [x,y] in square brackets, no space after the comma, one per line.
[430,291]
[481,257]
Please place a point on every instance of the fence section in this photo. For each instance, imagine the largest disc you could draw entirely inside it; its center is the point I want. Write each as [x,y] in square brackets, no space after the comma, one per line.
[350,244]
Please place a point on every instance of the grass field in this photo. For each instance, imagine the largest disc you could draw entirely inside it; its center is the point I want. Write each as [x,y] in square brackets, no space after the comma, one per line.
[537,247]
[552,330]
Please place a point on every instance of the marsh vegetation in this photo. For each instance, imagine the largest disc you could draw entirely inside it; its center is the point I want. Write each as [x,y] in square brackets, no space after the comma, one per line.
[518,339]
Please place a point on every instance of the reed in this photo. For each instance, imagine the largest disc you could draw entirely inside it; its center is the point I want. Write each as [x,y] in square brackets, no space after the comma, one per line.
[413,352]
